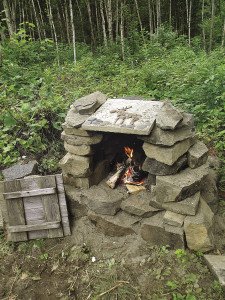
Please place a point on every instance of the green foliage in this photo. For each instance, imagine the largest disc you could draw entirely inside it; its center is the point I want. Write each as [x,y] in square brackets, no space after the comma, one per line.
[35,93]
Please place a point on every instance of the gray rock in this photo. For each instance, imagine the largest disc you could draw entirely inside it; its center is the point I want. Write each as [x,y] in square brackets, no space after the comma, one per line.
[188,121]
[121,224]
[216,263]
[100,172]
[81,140]
[90,103]
[168,137]
[173,219]
[188,206]
[73,119]
[83,150]
[199,229]
[197,155]
[150,180]
[102,200]
[77,166]
[20,170]
[76,131]
[77,182]
[157,168]
[75,207]
[178,232]
[168,117]
[167,155]
[139,205]
[152,231]
[182,185]
[209,190]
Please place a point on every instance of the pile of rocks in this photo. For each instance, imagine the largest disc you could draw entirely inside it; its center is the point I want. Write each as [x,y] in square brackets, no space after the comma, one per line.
[77,165]
[182,183]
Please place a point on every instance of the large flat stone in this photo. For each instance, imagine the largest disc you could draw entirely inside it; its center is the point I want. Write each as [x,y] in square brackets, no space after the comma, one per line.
[102,200]
[188,206]
[77,182]
[167,155]
[124,116]
[20,170]
[81,140]
[182,185]
[216,263]
[155,167]
[77,166]
[199,229]
[173,219]
[168,137]
[74,119]
[76,131]
[197,155]
[188,121]
[168,117]
[88,104]
[139,205]
[121,224]
[152,231]
[75,207]
[83,150]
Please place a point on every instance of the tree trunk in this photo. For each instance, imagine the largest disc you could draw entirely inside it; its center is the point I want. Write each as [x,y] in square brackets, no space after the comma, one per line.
[81,19]
[203,28]
[158,15]
[73,33]
[67,23]
[223,34]
[139,19]
[90,21]
[42,20]
[188,11]
[54,32]
[109,13]
[212,24]
[122,30]
[37,21]
[117,20]
[8,17]
[103,23]
[170,14]
[150,17]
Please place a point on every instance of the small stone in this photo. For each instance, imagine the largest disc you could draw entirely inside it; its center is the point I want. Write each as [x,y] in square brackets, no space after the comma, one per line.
[121,224]
[188,121]
[83,150]
[197,155]
[188,206]
[199,229]
[209,190]
[168,137]
[152,231]
[76,131]
[216,263]
[178,231]
[168,117]
[20,170]
[139,205]
[77,166]
[155,167]
[90,103]
[167,155]
[173,219]
[174,188]
[73,119]
[81,140]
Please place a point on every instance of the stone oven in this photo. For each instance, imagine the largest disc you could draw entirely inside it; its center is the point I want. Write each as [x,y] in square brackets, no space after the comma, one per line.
[136,167]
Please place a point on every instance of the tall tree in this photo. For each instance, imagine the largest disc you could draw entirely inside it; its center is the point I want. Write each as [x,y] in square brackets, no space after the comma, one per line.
[73,32]
[212,24]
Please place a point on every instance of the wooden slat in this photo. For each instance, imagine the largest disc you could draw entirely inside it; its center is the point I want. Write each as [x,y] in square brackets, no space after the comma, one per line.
[62,204]
[15,210]
[32,193]
[43,226]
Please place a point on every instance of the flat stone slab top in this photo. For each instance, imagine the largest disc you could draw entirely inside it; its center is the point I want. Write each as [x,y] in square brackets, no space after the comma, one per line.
[217,265]
[124,116]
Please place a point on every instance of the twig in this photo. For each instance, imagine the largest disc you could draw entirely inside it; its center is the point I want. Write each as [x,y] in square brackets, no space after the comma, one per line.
[119,283]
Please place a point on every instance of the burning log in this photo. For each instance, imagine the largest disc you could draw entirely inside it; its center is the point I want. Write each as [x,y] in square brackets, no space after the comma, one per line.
[134,189]
[115,179]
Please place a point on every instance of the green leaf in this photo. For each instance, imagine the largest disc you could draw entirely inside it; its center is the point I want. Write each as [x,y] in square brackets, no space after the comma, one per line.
[9,121]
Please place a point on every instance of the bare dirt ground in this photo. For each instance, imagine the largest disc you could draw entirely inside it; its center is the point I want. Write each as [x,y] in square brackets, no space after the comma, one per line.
[88,265]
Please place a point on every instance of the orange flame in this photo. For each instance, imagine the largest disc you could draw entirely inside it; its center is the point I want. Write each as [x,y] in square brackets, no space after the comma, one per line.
[129,152]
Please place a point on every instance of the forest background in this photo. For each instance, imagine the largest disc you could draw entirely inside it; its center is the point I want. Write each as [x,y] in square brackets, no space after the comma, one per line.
[55,51]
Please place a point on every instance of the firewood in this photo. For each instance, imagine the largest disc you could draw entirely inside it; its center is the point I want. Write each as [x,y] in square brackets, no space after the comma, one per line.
[134,189]
[115,178]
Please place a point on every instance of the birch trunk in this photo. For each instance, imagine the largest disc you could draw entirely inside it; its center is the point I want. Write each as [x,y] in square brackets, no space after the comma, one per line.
[212,24]
[67,23]
[139,19]
[122,30]
[41,18]
[223,34]
[110,19]
[90,21]
[203,29]
[117,20]
[150,17]
[103,23]
[37,21]
[8,17]
[73,33]
[81,19]
[188,11]
[54,32]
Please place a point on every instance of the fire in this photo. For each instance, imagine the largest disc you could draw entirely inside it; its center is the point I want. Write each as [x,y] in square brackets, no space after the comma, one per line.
[129,152]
